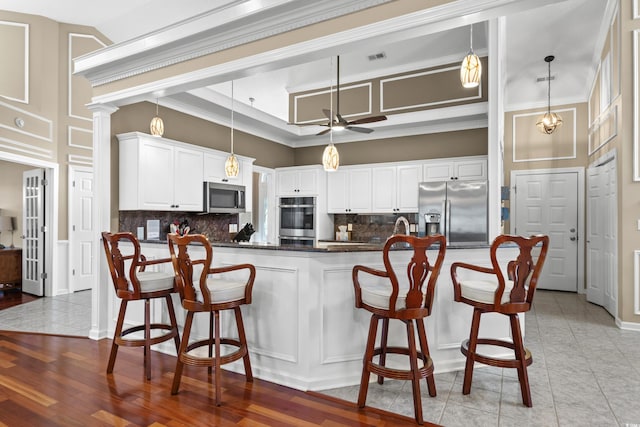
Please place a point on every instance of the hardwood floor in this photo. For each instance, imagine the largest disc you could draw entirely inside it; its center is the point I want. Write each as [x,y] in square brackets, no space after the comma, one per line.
[10,298]
[61,381]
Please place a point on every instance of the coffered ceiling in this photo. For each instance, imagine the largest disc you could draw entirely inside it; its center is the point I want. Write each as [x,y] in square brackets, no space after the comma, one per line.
[572,30]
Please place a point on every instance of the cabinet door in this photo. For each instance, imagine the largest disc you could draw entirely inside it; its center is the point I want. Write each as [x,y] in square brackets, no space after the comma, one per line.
[188,181]
[337,191]
[287,182]
[408,180]
[156,177]
[359,190]
[308,182]
[437,171]
[383,189]
[471,169]
[214,170]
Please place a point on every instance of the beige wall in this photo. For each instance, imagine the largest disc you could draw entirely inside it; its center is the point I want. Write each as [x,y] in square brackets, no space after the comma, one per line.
[436,145]
[55,133]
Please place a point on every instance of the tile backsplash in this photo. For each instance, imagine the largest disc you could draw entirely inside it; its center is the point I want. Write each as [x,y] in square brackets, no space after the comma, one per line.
[214,226]
[372,228]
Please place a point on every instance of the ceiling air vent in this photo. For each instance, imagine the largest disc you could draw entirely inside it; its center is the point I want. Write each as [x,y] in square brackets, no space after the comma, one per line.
[376,56]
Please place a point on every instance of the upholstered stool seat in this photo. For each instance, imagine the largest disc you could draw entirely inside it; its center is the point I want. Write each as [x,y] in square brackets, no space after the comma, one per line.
[132,282]
[386,299]
[510,296]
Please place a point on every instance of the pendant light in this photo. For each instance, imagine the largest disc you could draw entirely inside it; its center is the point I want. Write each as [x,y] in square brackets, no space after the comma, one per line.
[548,122]
[157,125]
[330,156]
[471,68]
[231,166]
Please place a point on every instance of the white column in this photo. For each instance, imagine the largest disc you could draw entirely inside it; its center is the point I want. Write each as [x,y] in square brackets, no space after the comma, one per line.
[101,216]
[497,71]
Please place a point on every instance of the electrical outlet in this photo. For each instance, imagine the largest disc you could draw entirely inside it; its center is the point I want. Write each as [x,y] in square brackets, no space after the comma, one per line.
[412,228]
[233,228]
[349,227]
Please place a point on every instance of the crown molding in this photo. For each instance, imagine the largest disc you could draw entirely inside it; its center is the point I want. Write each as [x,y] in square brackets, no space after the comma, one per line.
[241,22]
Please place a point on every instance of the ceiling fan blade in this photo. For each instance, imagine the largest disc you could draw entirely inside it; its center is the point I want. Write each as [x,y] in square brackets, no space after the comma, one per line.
[308,124]
[323,132]
[359,129]
[341,120]
[371,119]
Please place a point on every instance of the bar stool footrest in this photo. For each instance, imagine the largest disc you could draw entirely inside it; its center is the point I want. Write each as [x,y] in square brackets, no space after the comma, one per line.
[495,361]
[400,374]
[193,360]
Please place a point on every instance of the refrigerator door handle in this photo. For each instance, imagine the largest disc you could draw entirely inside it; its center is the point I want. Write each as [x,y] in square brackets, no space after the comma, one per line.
[447,219]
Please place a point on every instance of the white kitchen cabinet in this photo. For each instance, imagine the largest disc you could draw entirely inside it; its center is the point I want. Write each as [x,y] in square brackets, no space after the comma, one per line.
[158,175]
[395,188]
[165,175]
[349,190]
[460,169]
[298,181]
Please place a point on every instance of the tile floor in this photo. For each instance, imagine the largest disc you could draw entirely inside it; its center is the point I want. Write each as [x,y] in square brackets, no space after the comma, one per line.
[63,314]
[585,372]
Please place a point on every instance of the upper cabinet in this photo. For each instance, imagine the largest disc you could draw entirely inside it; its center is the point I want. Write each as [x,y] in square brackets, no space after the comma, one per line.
[468,168]
[214,170]
[298,181]
[165,175]
[349,190]
[395,188]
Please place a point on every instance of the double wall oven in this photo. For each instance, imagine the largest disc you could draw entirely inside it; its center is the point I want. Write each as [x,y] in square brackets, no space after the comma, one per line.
[297,221]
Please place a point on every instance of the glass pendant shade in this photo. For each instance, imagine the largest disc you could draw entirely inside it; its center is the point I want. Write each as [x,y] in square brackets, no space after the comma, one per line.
[470,71]
[231,166]
[156,127]
[549,122]
[471,67]
[330,158]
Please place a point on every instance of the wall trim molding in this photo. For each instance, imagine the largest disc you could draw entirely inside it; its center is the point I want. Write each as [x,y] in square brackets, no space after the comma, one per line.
[537,113]
[25,97]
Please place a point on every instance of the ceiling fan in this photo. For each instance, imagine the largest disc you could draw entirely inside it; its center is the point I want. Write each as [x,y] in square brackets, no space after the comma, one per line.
[337,122]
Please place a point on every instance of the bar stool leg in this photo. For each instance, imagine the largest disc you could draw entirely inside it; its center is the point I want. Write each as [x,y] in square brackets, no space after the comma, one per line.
[520,352]
[243,343]
[368,357]
[422,335]
[383,346]
[216,362]
[174,322]
[183,349]
[473,343]
[415,377]
[116,336]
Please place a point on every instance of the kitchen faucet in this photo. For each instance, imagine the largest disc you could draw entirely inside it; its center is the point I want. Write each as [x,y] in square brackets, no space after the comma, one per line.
[403,220]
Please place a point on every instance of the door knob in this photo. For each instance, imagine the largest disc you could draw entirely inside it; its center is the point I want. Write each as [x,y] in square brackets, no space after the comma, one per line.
[573,238]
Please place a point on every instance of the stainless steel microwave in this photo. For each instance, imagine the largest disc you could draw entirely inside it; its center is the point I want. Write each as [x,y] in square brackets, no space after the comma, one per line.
[224,198]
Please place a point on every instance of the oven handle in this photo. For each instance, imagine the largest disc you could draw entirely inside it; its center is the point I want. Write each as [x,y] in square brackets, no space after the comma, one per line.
[296,206]
[296,238]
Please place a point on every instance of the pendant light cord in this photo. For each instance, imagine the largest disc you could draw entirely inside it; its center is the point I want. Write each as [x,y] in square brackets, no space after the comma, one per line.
[471,38]
[331,100]
[232,117]
[549,89]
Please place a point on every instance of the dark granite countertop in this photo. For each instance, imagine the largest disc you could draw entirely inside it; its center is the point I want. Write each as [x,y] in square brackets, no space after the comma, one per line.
[324,246]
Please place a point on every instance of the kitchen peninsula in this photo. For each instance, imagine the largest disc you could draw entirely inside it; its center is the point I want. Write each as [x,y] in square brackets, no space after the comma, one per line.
[303,329]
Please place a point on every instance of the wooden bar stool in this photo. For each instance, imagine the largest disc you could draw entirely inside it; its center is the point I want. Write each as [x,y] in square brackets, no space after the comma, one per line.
[134,283]
[409,305]
[510,296]
[204,293]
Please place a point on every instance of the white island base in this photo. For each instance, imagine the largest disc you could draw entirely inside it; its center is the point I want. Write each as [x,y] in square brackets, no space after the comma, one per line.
[302,327]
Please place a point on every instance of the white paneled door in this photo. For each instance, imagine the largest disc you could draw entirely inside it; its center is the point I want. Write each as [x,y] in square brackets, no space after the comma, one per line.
[547,203]
[81,232]
[602,283]
[33,226]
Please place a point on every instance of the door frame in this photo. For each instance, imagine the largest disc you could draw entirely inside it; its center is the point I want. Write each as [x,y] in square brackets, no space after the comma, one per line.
[581,285]
[51,217]
[70,203]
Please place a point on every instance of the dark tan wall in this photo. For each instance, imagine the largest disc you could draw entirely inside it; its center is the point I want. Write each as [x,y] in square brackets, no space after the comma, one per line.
[432,146]
[11,198]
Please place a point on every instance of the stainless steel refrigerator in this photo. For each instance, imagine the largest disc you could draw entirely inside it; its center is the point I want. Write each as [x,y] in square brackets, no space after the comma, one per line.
[457,209]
